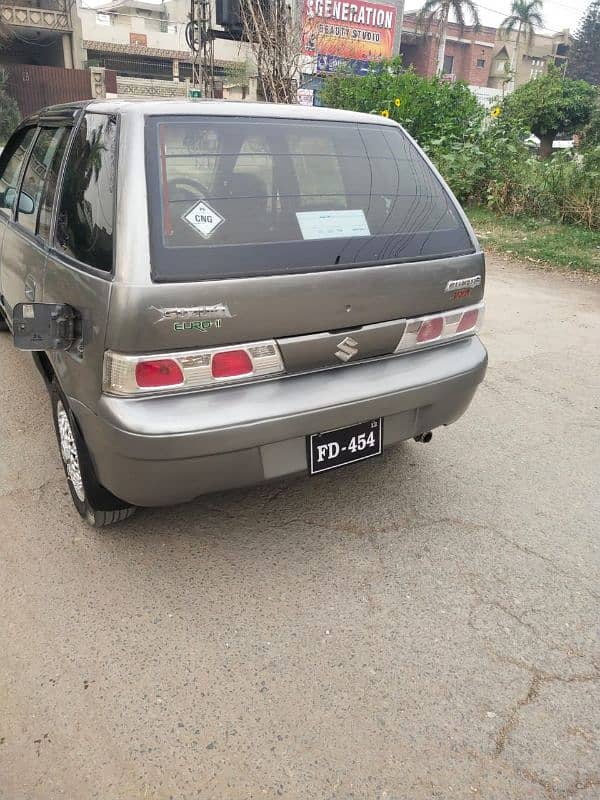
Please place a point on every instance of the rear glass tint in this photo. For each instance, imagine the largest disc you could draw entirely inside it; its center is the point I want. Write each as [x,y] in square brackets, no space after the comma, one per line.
[247,196]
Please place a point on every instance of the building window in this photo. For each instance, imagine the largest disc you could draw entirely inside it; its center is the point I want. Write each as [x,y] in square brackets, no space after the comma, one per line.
[167,27]
[103,19]
[481,63]
[448,65]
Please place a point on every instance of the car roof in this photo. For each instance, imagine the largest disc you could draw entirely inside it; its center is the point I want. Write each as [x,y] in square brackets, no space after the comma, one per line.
[229,108]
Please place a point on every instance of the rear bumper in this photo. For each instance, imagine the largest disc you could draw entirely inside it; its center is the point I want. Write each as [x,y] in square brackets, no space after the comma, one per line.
[156,451]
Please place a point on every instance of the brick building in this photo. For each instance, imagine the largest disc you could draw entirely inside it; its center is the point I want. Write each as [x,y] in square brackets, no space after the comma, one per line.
[468,53]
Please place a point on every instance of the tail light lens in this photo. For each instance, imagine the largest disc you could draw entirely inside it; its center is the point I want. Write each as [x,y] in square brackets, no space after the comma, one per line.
[162,372]
[194,369]
[430,330]
[468,321]
[421,331]
[231,364]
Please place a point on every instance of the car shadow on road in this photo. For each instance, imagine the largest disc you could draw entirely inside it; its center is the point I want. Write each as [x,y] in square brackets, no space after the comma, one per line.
[359,499]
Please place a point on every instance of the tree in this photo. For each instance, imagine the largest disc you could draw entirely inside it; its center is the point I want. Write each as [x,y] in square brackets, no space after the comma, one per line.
[584,58]
[524,16]
[275,38]
[440,10]
[9,110]
[591,132]
[437,113]
[550,105]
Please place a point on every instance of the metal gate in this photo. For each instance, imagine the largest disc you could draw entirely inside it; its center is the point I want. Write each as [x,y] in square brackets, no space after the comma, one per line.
[35,87]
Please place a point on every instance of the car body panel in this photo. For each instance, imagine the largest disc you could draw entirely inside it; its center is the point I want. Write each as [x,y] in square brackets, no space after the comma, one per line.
[171,449]
[23,267]
[80,368]
[286,305]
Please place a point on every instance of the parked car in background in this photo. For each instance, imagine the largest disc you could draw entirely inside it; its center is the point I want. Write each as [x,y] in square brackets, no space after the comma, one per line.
[218,294]
[558,144]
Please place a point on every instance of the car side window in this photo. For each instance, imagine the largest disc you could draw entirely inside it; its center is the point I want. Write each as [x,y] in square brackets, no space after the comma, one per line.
[85,219]
[51,184]
[36,173]
[12,159]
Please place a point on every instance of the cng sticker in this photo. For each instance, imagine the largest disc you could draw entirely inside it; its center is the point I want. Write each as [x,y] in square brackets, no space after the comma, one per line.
[204,219]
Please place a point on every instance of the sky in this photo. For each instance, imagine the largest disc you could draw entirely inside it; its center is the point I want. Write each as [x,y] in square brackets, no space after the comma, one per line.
[557,14]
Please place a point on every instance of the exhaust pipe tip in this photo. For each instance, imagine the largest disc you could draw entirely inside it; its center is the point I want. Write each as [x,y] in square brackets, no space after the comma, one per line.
[424,438]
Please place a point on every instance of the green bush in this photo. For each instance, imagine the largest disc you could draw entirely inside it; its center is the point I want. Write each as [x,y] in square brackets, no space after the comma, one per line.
[471,167]
[483,157]
[591,132]
[431,110]
[566,189]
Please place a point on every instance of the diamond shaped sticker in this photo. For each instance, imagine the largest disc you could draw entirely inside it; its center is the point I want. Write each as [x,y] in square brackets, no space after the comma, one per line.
[203,219]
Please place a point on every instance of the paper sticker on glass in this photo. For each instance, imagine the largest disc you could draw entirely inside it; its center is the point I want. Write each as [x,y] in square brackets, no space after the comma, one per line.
[203,219]
[332,224]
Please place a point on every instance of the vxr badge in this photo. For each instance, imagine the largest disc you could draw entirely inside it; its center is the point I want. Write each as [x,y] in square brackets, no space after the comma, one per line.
[347,349]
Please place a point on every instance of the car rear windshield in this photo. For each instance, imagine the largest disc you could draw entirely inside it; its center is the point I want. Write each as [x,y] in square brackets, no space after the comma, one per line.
[239,196]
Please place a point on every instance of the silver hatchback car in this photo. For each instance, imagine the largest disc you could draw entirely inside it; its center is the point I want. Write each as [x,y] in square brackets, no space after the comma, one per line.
[219,294]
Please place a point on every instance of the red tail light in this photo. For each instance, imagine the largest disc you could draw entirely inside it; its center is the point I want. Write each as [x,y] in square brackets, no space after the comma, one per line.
[160,372]
[468,320]
[128,375]
[430,329]
[440,328]
[231,363]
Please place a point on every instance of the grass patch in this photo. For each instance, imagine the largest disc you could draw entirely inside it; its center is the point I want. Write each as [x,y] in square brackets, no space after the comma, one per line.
[538,240]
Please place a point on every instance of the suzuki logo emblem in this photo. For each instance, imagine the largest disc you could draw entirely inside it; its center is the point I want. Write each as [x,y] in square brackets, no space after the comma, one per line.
[347,348]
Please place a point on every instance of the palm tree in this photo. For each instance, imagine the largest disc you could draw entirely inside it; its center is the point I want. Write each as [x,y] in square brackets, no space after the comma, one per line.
[440,10]
[524,16]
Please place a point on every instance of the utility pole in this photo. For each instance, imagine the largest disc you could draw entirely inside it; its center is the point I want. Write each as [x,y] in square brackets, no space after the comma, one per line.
[200,39]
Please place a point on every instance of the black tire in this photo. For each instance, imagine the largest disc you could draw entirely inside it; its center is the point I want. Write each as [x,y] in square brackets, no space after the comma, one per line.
[93,502]
[3,323]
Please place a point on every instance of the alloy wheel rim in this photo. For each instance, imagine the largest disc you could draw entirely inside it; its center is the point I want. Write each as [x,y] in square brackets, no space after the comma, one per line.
[68,449]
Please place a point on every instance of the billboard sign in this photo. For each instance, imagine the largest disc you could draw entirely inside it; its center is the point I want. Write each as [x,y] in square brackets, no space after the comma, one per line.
[356,31]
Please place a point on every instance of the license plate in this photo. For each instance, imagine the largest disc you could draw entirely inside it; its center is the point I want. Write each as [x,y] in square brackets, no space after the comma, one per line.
[336,448]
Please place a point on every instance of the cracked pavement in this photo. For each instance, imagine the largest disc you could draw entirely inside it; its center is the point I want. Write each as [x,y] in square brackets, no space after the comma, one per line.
[423,626]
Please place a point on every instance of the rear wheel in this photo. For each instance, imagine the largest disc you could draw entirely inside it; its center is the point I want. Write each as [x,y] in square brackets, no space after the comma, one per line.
[95,503]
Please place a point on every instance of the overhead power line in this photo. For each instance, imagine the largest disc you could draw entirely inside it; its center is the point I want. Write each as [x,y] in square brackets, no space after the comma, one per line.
[504,15]
[579,10]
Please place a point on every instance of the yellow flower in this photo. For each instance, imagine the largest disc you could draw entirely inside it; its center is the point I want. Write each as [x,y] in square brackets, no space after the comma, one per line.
[397,102]
[385,113]
[496,111]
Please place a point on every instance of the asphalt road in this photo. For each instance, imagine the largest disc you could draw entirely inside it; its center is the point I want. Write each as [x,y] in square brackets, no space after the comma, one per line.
[422,627]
